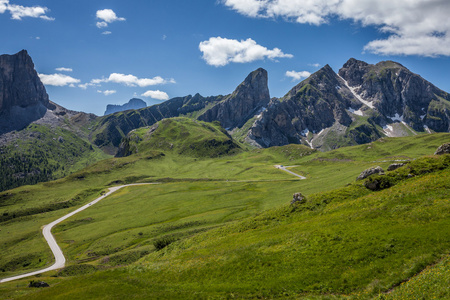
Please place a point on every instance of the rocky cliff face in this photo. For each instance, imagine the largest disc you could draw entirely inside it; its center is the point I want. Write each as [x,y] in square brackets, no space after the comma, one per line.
[321,102]
[361,104]
[134,103]
[398,94]
[249,98]
[23,97]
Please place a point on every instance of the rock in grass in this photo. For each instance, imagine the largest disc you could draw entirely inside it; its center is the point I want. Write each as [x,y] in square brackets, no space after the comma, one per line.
[38,284]
[371,171]
[443,149]
[395,166]
[298,198]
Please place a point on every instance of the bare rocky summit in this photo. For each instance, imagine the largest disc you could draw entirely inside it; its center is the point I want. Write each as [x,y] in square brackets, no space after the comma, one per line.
[23,98]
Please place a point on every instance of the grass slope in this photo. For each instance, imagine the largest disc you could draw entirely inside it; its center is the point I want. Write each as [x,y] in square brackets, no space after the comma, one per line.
[42,153]
[182,136]
[212,246]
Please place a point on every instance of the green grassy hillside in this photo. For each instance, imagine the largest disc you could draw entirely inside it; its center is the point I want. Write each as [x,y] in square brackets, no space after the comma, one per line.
[223,227]
[182,136]
[42,153]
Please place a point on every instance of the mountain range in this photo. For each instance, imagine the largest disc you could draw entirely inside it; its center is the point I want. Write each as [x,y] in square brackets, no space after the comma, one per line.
[359,104]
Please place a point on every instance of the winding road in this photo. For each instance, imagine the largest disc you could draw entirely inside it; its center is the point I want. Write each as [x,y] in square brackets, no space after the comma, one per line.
[290,172]
[60,260]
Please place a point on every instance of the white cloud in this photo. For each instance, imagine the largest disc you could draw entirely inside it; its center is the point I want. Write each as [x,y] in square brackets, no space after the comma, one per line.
[106,32]
[315,65]
[297,75]
[131,80]
[159,95]
[57,79]
[107,92]
[101,24]
[128,80]
[415,27]
[219,51]
[62,69]
[107,16]
[18,11]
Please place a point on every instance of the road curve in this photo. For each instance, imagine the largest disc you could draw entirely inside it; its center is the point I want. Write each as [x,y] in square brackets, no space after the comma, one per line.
[290,172]
[60,260]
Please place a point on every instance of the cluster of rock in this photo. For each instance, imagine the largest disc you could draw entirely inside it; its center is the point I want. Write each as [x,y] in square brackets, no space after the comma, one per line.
[298,198]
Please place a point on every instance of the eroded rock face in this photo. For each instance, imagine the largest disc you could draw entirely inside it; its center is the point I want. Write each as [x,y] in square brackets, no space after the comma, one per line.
[249,98]
[443,149]
[316,103]
[23,98]
[371,171]
[398,94]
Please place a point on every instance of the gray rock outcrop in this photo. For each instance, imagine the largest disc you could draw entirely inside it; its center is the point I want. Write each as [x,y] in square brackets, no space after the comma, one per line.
[371,171]
[395,166]
[298,198]
[443,149]
[23,98]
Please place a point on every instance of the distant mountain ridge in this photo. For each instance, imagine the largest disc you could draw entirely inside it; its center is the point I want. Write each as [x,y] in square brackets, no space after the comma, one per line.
[134,103]
[328,110]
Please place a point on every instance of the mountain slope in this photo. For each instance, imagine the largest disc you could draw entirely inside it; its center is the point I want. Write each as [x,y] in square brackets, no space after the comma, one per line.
[399,94]
[39,140]
[320,103]
[108,131]
[182,136]
[361,104]
[249,98]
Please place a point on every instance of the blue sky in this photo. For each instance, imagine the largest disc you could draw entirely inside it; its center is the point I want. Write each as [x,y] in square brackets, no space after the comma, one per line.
[93,53]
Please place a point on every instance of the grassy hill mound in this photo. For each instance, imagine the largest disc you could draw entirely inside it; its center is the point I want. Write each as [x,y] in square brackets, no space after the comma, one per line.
[182,136]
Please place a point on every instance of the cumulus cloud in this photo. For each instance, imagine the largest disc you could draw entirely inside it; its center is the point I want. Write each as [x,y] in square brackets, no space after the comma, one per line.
[62,69]
[106,32]
[419,27]
[218,51]
[131,80]
[315,65]
[107,92]
[297,75]
[128,80]
[159,95]
[107,16]
[18,11]
[58,79]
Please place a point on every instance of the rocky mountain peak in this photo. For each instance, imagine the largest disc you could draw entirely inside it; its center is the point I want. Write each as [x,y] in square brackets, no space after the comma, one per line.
[23,97]
[249,98]
[353,71]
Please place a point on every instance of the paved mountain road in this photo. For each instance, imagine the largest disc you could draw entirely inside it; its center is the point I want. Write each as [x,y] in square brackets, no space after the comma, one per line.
[60,260]
[290,172]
